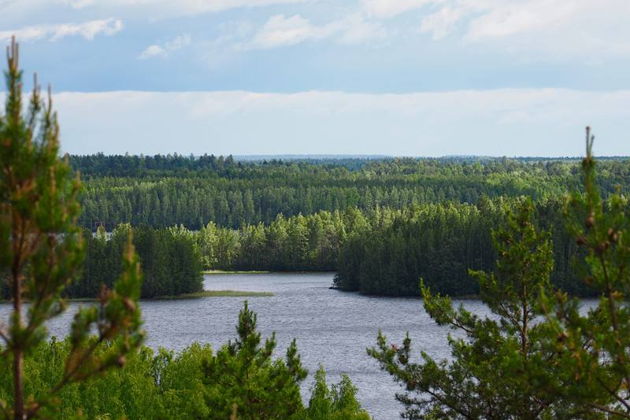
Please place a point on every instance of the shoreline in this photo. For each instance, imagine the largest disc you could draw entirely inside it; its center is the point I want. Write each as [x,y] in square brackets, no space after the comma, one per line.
[214,293]
[211,272]
[185,296]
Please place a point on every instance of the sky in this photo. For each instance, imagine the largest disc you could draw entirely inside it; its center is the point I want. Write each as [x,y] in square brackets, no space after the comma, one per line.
[389,77]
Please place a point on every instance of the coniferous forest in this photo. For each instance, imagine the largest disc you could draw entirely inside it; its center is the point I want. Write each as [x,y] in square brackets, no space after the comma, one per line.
[540,246]
[162,191]
[380,224]
[102,369]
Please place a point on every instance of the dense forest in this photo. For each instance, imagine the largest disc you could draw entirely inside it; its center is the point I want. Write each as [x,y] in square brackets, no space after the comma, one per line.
[440,243]
[170,262]
[384,251]
[381,224]
[163,191]
[170,258]
[380,251]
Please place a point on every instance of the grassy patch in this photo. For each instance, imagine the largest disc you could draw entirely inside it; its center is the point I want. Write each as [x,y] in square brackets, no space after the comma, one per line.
[216,293]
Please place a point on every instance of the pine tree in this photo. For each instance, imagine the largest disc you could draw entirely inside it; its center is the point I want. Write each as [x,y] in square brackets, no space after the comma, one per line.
[244,379]
[594,372]
[41,253]
[543,355]
[498,371]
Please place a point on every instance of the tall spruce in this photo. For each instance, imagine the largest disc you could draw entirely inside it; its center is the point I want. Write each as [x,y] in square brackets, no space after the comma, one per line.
[41,253]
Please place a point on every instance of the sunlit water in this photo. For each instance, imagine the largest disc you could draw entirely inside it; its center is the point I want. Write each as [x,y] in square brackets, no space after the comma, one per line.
[332,328]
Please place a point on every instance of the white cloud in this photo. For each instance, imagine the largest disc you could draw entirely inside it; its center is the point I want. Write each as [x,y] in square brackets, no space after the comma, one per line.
[510,17]
[78,4]
[442,22]
[533,122]
[280,31]
[550,28]
[152,51]
[87,30]
[390,8]
[161,9]
[26,12]
[178,42]
[355,29]
[165,49]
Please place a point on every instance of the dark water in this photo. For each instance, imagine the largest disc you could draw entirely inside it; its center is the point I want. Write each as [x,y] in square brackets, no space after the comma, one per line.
[332,328]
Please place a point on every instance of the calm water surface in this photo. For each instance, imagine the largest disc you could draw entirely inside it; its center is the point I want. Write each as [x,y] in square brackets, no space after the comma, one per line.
[332,328]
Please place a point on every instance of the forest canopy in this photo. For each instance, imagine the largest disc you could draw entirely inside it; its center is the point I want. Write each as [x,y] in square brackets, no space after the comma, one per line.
[163,191]
[380,224]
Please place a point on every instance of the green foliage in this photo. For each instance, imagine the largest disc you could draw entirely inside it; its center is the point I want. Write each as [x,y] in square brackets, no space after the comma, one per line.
[297,243]
[541,355]
[167,190]
[424,217]
[595,344]
[242,378]
[149,386]
[440,243]
[498,368]
[41,253]
[336,403]
[523,269]
[170,261]
[383,251]
[436,242]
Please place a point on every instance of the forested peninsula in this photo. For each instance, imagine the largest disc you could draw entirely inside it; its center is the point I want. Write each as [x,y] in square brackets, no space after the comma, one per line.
[380,224]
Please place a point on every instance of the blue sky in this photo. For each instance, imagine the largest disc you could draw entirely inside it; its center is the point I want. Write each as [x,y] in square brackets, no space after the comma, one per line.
[396,77]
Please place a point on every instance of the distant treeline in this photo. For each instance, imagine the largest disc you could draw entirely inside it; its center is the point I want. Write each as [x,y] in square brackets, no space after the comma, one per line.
[384,251]
[162,191]
[381,224]
[171,264]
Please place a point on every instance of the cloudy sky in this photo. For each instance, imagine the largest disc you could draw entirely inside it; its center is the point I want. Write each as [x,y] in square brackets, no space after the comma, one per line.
[395,77]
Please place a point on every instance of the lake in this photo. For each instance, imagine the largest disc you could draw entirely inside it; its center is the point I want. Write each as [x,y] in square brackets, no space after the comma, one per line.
[332,328]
